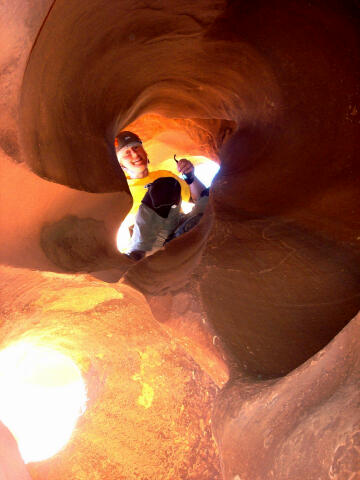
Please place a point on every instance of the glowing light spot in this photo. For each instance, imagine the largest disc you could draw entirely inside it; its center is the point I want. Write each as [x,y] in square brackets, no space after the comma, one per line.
[186,207]
[206,172]
[42,396]
[79,299]
[147,396]
[149,359]
[123,236]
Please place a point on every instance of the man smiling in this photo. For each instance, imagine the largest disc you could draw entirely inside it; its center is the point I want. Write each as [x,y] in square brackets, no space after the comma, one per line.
[157,195]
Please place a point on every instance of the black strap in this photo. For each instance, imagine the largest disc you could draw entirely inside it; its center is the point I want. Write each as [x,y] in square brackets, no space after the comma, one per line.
[162,194]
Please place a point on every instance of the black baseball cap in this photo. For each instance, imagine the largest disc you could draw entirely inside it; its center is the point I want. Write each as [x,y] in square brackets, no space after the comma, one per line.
[126,139]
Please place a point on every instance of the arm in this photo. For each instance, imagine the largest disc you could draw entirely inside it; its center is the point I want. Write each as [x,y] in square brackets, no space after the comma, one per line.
[196,187]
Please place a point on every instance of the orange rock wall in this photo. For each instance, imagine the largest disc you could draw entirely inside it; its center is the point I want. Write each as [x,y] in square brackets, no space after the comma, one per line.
[270,277]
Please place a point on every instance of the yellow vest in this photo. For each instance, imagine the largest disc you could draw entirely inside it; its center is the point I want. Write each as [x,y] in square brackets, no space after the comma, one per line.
[136,186]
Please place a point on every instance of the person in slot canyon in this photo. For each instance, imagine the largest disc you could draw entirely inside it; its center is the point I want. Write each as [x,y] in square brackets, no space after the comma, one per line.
[157,197]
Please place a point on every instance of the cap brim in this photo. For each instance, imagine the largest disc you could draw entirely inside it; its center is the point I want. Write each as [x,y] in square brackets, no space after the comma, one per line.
[128,145]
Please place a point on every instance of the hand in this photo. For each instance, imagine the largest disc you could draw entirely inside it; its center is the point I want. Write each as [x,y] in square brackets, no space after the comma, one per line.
[185,167]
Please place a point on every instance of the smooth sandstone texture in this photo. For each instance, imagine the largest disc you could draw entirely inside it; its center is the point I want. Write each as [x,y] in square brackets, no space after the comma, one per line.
[148,403]
[301,426]
[271,90]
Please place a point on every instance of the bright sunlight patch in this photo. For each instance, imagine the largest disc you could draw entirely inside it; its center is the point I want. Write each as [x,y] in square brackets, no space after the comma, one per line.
[42,396]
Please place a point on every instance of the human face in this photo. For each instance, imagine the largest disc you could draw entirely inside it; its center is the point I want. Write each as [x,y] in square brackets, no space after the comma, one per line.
[134,160]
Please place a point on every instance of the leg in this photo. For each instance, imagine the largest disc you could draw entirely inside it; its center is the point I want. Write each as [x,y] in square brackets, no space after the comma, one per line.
[157,217]
[190,220]
[146,228]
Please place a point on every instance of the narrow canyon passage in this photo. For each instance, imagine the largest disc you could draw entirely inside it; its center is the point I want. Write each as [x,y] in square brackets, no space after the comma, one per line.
[245,327]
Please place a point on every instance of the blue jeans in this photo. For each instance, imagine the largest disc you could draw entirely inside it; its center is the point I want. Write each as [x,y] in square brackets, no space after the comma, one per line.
[151,230]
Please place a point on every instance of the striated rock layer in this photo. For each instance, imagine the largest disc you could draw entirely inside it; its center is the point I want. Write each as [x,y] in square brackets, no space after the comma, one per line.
[265,287]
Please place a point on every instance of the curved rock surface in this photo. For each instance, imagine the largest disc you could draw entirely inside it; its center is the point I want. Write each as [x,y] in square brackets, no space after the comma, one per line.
[148,403]
[269,89]
[11,464]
